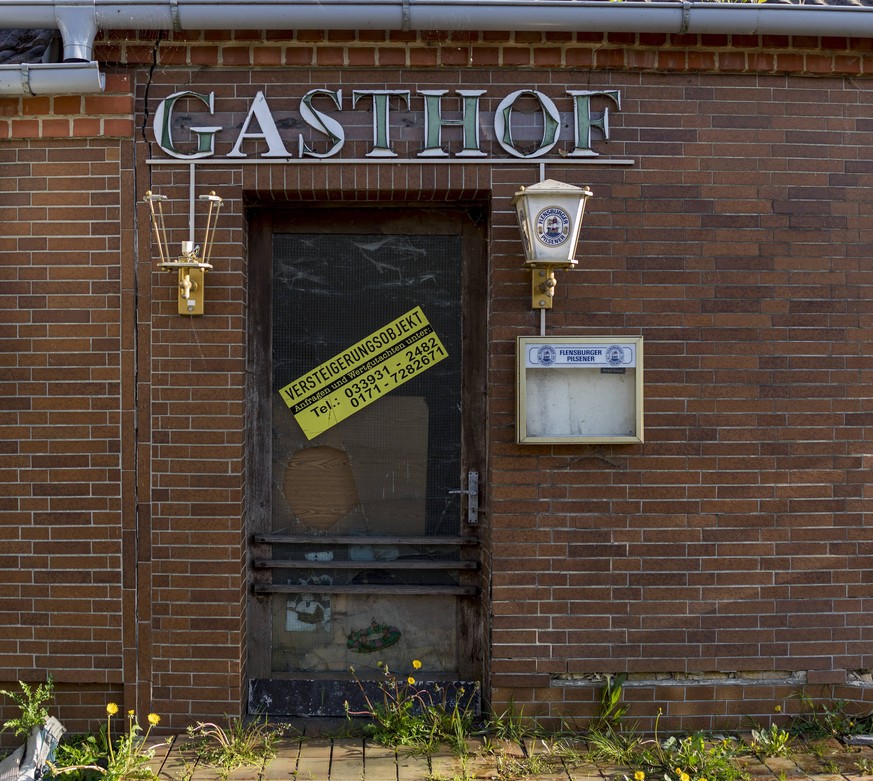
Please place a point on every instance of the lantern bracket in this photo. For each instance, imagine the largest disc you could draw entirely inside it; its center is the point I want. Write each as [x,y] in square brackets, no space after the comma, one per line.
[191,264]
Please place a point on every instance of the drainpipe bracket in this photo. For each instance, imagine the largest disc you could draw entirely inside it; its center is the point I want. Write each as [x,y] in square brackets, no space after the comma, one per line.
[25,79]
[174,15]
[686,17]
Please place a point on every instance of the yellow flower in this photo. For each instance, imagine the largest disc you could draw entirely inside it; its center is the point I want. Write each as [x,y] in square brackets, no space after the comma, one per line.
[416,665]
[639,776]
[154,719]
[111,708]
[411,681]
[778,709]
[131,713]
[684,777]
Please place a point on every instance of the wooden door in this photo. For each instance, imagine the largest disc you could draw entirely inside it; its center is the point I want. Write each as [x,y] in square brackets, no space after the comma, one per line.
[367,408]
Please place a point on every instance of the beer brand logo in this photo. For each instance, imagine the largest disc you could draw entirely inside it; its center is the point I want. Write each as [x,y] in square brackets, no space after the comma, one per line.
[553,226]
[546,355]
[615,355]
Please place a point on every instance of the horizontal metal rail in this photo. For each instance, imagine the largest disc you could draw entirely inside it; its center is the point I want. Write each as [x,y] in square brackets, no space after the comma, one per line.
[266,588]
[333,564]
[308,539]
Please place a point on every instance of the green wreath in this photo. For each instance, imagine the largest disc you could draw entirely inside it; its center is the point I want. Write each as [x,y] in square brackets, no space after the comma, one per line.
[374,638]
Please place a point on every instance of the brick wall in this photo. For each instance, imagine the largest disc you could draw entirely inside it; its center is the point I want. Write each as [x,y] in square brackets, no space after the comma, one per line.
[66,493]
[721,563]
[194,394]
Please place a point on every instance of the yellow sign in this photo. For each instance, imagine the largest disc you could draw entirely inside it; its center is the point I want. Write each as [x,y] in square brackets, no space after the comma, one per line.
[366,371]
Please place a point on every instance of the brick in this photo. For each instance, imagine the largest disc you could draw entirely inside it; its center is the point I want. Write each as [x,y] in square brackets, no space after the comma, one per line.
[121,128]
[267,55]
[387,57]
[328,56]
[204,55]
[236,55]
[546,57]
[35,105]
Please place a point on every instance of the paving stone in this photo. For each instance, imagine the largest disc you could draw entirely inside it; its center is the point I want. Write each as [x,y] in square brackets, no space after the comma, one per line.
[380,763]
[178,763]
[347,759]
[584,772]
[783,765]
[352,759]
[284,764]
[314,762]
[411,766]
[444,763]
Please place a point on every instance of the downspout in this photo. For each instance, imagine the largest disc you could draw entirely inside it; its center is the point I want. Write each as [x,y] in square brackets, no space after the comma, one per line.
[77,74]
[79,20]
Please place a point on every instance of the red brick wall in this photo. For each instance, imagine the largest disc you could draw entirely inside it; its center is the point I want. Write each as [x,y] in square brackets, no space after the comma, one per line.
[194,400]
[67,405]
[731,548]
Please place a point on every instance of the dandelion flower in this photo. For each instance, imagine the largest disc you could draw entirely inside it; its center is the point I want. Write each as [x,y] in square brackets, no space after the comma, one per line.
[416,665]
[411,681]
[778,709]
[684,777]
[639,776]
[111,708]
[154,719]
[131,713]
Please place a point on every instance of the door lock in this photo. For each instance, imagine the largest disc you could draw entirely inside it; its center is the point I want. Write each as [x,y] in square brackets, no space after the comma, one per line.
[472,492]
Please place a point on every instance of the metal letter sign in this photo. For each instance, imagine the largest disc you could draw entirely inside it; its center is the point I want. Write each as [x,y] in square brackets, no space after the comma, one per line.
[366,371]
[425,111]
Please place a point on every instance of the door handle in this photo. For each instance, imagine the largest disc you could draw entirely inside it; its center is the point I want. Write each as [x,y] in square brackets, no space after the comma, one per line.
[472,492]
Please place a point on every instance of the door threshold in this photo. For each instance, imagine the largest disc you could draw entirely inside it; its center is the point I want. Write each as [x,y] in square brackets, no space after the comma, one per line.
[323,697]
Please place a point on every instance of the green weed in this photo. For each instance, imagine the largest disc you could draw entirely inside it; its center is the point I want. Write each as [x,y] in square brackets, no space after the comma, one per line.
[406,714]
[828,719]
[509,766]
[107,757]
[239,744]
[511,725]
[612,707]
[31,706]
[772,742]
[616,748]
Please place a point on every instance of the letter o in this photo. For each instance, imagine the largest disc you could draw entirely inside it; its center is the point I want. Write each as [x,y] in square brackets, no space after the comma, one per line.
[551,123]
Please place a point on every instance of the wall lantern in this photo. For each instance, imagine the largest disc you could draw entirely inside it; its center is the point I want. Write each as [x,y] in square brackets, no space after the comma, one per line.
[549,218]
[193,263]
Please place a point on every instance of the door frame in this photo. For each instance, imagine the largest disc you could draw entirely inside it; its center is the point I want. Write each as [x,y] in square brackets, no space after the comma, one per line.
[470,222]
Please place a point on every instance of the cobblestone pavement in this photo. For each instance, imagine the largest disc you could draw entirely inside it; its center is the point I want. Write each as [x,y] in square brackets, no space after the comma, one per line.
[353,759]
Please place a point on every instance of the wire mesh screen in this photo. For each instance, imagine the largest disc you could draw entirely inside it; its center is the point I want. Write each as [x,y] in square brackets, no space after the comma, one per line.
[385,471]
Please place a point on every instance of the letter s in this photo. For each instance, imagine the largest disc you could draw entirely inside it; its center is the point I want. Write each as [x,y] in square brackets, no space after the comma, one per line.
[322,123]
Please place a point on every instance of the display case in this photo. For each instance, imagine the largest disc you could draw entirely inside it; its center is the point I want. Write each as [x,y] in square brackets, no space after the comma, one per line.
[579,389]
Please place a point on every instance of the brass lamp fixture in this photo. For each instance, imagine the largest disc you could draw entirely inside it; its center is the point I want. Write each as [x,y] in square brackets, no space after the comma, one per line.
[193,263]
[549,218]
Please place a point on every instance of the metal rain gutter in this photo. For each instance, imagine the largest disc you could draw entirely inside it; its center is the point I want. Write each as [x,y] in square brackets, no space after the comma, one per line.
[79,20]
[56,78]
